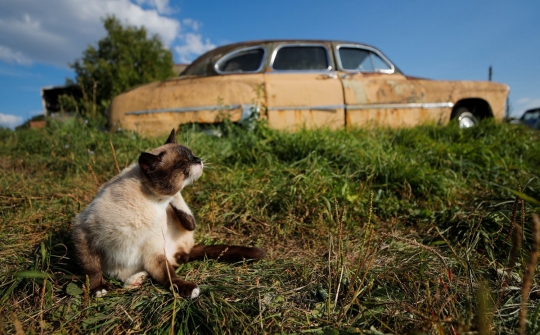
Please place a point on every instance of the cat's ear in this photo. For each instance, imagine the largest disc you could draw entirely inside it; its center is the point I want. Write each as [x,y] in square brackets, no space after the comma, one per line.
[172,137]
[149,162]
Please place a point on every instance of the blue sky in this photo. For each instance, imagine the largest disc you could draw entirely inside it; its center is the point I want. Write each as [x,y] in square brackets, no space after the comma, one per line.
[455,40]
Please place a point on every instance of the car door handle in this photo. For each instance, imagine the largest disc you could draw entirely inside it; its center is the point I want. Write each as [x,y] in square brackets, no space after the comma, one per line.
[327,76]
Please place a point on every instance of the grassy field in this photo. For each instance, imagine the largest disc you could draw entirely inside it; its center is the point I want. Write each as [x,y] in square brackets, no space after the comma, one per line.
[368,231]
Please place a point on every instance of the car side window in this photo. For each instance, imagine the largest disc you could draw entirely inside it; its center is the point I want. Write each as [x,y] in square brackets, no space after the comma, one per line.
[357,59]
[242,61]
[378,63]
[301,58]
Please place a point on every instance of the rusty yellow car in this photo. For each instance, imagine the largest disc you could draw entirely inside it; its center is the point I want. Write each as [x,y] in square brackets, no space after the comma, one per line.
[303,83]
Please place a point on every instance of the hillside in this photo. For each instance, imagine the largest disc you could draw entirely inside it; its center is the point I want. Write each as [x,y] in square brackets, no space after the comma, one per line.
[367,231]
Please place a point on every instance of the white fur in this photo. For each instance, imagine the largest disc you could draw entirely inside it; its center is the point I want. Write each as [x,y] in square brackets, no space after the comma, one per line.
[195,293]
[194,174]
[135,280]
[102,292]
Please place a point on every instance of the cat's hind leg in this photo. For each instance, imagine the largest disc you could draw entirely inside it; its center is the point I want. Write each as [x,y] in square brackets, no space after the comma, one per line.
[90,262]
[162,271]
[135,280]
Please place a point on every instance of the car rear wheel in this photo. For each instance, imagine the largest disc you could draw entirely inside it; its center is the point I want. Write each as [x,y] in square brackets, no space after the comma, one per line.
[465,118]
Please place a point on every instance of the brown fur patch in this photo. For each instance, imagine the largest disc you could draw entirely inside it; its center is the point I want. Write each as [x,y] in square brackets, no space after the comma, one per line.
[89,259]
[187,221]
[172,137]
[226,253]
[161,270]
[181,257]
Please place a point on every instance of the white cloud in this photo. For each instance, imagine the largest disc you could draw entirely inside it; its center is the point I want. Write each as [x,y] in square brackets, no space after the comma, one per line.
[194,46]
[10,121]
[57,31]
[162,6]
[9,56]
[192,24]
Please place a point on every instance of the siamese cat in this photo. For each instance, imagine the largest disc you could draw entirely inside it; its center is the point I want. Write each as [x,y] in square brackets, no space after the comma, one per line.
[139,225]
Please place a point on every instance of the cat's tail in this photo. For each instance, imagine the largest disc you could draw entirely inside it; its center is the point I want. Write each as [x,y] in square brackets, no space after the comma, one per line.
[227,253]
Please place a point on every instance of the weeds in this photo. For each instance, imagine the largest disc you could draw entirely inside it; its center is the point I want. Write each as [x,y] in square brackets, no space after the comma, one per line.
[367,231]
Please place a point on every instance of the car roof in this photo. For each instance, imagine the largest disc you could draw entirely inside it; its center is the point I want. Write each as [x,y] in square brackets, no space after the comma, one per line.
[222,50]
[272,41]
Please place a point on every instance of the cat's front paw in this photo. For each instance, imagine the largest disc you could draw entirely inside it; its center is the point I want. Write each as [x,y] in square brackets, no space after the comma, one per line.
[135,280]
[186,289]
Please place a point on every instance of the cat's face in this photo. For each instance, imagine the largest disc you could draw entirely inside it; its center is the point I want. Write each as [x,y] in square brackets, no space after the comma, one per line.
[170,167]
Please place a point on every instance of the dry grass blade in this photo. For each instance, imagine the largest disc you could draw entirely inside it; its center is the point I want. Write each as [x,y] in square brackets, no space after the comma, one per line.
[513,217]
[516,246]
[114,156]
[18,326]
[529,275]
[41,301]
[96,181]
[485,313]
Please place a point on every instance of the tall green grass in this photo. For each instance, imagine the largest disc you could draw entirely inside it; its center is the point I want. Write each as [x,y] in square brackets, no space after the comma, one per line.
[367,231]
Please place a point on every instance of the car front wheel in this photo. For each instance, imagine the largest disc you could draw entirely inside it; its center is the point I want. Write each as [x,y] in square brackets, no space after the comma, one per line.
[465,118]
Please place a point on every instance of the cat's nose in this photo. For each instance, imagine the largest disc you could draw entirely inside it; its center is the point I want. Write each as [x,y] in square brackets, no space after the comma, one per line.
[197,160]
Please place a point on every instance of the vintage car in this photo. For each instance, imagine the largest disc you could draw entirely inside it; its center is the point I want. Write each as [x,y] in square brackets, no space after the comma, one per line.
[531,118]
[303,83]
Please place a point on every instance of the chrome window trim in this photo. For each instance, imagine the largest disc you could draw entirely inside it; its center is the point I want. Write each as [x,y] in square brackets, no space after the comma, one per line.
[234,53]
[363,47]
[274,54]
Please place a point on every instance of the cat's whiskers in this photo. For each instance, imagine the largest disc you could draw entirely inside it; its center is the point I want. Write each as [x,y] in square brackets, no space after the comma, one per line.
[206,163]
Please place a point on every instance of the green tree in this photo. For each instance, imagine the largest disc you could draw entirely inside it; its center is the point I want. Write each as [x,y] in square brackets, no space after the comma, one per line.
[125,58]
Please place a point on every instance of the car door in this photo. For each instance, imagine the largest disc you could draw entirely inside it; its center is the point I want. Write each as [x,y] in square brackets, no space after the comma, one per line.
[376,92]
[303,88]
[215,87]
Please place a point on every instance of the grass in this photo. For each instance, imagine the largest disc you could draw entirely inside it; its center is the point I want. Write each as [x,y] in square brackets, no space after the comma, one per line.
[367,231]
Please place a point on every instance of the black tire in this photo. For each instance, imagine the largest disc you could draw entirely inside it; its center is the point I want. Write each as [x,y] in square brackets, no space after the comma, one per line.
[464,117]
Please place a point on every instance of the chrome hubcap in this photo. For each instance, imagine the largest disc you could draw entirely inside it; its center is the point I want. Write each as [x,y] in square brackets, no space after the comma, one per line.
[467,120]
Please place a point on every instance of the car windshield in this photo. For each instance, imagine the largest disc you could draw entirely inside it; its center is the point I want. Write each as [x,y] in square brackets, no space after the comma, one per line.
[292,58]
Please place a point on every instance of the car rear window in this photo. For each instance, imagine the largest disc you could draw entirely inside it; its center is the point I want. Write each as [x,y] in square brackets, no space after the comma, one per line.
[301,58]
[248,60]
[357,59]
